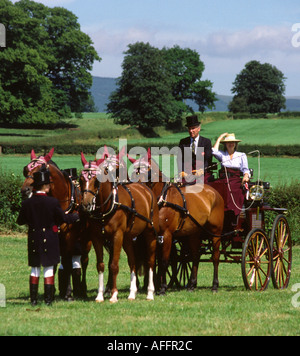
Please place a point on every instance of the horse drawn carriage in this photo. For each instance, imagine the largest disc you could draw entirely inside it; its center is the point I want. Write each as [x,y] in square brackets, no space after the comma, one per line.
[263,249]
[184,228]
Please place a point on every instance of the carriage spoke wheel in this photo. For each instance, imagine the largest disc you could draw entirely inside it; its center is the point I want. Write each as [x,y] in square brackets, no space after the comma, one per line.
[281,243]
[180,266]
[256,260]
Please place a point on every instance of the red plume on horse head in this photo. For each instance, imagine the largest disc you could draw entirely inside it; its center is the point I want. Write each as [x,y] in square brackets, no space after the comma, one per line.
[49,155]
[147,157]
[83,160]
[32,155]
[121,154]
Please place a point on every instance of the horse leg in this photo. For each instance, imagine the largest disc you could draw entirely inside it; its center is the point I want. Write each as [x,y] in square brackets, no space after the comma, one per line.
[164,261]
[117,242]
[109,249]
[64,278]
[128,247]
[194,244]
[151,252]
[216,259]
[84,264]
[98,246]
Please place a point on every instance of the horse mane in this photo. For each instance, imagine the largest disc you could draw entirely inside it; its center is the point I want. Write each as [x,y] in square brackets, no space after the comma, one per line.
[53,164]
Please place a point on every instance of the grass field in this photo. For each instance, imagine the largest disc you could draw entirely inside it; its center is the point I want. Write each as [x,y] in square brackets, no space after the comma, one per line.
[276,170]
[98,128]
[232,311]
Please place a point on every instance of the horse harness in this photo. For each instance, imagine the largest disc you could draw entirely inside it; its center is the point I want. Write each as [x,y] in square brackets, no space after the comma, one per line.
[163,202]
[115,205]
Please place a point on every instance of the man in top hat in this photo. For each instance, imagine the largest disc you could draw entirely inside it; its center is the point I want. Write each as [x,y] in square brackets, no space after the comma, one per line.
[43,215]
[188,165]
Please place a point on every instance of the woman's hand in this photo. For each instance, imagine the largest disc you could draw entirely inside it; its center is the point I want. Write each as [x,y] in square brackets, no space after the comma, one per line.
[222,136]
[217,144]
[245,178]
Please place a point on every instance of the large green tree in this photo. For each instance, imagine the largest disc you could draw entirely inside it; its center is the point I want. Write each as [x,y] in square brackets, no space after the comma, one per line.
[45,67]
[186,70]
[155,85]
[260,88]
[144,96]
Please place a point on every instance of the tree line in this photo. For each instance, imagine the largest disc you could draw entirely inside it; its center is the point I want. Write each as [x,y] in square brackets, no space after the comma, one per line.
[45,67]
[45,75]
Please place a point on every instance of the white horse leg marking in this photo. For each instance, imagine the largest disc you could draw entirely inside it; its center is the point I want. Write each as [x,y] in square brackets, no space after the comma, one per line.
[114,298]
[150,295]
[100,297]
[133,288]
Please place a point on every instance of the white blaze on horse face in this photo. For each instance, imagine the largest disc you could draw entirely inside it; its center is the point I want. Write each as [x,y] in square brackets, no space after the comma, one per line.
[150,295]
[133,287]
[100,296]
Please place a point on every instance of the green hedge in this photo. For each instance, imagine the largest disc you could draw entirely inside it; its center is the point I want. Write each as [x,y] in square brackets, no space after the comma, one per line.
[10,201]
[287,197]
[59,149]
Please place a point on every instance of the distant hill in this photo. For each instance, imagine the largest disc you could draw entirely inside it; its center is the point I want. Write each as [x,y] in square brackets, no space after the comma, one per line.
[103,87]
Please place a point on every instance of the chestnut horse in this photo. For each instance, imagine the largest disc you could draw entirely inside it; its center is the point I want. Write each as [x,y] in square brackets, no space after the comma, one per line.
[69,196]
[191,213]
[119,213]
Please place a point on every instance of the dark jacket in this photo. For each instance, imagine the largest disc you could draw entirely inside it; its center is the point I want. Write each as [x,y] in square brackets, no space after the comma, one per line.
[202,142]
[43,215]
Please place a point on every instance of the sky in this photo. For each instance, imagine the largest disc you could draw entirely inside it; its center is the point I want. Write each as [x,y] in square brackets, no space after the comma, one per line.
[226,34]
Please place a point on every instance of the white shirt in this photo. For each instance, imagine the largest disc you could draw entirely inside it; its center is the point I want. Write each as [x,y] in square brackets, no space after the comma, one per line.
[239,160]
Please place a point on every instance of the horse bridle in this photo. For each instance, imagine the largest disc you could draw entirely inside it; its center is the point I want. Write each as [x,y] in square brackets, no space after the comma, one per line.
[90,170]
[40,162]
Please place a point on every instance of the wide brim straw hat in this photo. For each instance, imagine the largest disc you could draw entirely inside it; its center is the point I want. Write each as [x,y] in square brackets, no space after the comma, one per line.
[230,138]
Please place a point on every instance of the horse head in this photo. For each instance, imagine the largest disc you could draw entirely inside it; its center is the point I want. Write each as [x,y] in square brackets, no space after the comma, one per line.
[36,164]
[145,169]
[89,182]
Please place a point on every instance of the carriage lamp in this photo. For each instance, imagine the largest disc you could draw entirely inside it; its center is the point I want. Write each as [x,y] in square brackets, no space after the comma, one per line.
[256,192]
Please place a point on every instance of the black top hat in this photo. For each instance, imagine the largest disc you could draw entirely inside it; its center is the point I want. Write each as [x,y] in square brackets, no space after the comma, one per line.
[192,121]
[41,178]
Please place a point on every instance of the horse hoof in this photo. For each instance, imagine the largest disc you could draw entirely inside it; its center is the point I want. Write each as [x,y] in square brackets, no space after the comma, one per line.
[214,291]
[150,296]
[114,298]
[132,295]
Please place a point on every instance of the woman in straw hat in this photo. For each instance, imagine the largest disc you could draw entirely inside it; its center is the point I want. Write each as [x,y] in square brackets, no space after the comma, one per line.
[230,158]
[234,164]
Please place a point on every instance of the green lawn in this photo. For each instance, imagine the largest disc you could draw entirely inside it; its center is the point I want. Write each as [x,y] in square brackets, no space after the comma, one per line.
[276,170]
[232,311]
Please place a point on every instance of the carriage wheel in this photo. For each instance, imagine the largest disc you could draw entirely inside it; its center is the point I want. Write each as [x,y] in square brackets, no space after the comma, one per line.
[256,260]
[180,266]
[281,242]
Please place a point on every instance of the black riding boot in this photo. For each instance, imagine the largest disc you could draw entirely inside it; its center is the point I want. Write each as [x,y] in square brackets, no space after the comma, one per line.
[33,287]
[76,279]
[49,290]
